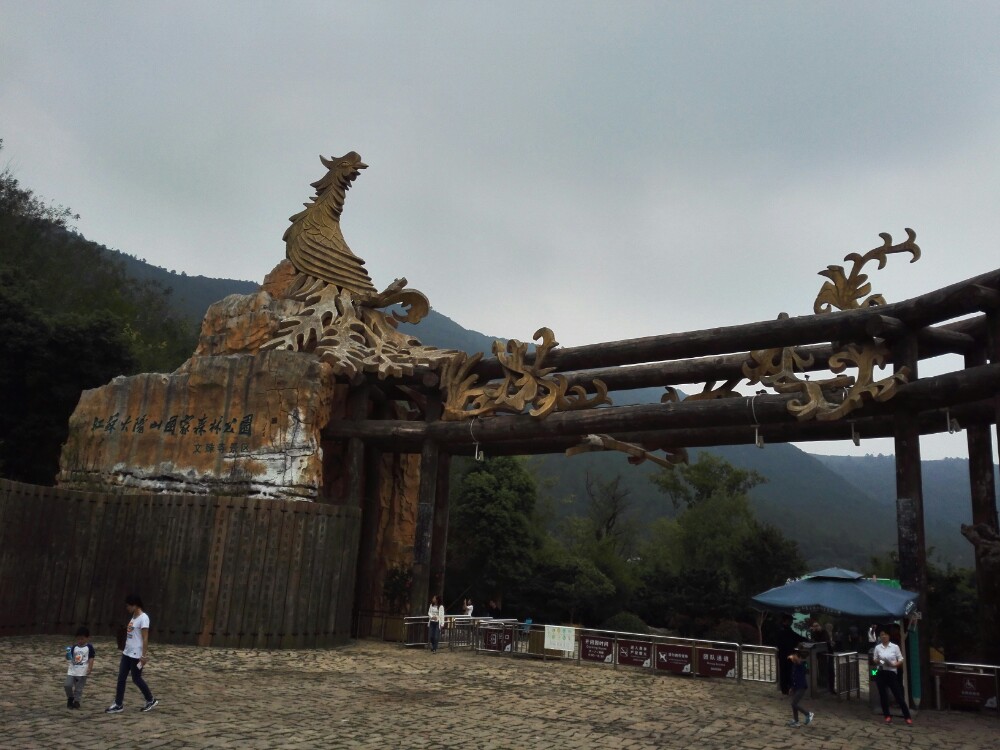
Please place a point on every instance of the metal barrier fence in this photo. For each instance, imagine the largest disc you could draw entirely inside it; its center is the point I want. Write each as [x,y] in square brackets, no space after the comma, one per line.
[966,685]
[956,685]
[668,654]
[846,674]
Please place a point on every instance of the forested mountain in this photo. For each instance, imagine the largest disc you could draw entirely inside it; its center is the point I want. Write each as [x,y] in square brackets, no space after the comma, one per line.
[71,318]
[946,493]
[190,295]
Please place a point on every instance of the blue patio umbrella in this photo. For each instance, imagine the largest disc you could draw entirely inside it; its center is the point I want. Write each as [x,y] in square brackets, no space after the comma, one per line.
[839,592]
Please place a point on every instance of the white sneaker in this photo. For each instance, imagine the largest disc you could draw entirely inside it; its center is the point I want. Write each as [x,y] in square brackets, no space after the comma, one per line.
[809,717]
[150,705]
[114,708]
[794,723]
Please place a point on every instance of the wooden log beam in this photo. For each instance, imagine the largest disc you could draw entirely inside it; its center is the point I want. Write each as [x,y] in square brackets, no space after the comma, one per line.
[986,298]
[931,422]
[949,389]
[940,339]
[917,312]
[867,427]
[951,337]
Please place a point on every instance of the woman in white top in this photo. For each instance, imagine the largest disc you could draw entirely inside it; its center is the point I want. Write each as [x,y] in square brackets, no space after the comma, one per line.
[435,619]
[889,658]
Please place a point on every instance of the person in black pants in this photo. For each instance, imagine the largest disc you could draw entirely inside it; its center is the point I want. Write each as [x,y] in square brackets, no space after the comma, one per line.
[889,659]
[788,642]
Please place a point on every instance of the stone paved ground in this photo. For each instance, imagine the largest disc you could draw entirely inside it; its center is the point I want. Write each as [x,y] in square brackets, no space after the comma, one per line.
[375,695]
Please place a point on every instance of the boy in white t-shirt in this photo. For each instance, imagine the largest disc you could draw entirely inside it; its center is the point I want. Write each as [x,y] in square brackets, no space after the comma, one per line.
[134,657]
[81,664]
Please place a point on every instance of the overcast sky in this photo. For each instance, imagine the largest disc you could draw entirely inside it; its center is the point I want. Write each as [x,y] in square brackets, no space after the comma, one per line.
[609,170]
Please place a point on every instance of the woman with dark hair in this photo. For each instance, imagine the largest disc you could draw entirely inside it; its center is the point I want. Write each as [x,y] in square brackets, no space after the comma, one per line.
[888,659]
[435,621]
[135,654]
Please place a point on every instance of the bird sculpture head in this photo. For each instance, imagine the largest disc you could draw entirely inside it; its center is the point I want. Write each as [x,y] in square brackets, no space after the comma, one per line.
[342,171]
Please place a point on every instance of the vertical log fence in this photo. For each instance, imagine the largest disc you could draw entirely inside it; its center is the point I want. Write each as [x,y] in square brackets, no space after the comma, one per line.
[212,570]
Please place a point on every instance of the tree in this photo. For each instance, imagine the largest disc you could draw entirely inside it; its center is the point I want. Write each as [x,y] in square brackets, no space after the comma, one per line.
[709,561]
[562,587]
[492,538]
[689,484]
[766,558]
[70,319]
[608,507]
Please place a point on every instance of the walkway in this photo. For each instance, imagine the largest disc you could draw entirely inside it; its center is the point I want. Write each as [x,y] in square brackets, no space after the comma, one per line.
[375,695]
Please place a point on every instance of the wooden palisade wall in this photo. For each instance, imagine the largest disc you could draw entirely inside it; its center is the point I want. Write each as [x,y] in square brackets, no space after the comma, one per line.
[220,571]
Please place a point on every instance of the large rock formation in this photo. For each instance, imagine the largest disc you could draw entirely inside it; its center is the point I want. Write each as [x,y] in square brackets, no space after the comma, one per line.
[234,424]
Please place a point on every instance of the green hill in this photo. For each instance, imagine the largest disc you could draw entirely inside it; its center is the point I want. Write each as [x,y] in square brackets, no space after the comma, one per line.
[190,295]
[946,498]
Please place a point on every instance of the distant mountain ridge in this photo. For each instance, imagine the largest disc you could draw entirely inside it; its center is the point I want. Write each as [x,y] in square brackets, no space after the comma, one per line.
[190,295]
[840,509]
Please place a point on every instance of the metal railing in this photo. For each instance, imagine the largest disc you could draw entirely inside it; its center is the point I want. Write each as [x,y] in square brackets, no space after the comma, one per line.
[668,654]
[846,674]
[956,684]
[959,685]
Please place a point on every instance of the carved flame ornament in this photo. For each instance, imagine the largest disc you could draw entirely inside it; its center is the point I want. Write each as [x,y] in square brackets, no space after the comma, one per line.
[833,398]
[337,316]
[524,385]
[846,292]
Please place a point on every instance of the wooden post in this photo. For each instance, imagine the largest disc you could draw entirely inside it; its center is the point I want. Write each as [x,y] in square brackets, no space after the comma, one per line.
[910,506]
[429,459]
[439,536]
[984,510]
[365,598]
[357,408]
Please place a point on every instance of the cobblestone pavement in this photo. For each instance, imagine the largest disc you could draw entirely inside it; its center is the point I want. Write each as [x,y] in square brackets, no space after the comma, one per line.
[375,695]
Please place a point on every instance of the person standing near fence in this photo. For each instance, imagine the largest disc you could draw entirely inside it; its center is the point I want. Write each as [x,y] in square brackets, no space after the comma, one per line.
[889,659]
[435,622]
[799,685]
[135,655]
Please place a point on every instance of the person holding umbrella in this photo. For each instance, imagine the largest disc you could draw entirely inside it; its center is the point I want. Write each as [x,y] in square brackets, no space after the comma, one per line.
[889,658]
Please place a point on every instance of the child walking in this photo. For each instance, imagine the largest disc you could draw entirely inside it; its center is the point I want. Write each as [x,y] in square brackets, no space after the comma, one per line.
[799,685]
[81,664]
[134,657]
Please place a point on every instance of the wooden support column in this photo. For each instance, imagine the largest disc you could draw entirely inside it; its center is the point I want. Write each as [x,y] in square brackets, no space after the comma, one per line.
[910,507]
[439,535]
[362,492]
[357,408]
[430,456]
[366,598]
[984,508]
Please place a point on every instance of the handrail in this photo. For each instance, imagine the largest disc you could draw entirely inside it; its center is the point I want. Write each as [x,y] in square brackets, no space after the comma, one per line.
[966,685]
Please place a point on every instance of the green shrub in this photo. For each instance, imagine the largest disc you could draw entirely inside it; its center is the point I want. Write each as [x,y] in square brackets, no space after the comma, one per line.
[625,622]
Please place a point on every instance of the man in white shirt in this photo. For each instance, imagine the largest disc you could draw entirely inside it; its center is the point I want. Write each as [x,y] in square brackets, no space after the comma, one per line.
[889,658]
[134,657]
